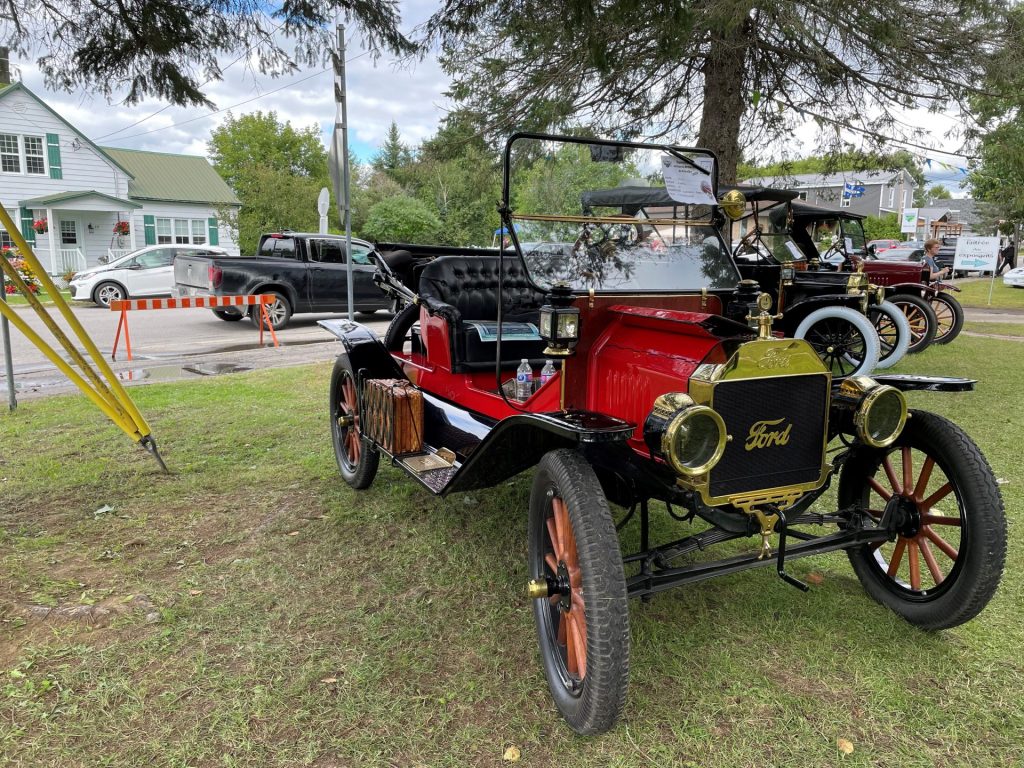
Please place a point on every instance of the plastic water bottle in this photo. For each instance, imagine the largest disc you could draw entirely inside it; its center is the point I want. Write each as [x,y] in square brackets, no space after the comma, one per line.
[547,372]
[524,380]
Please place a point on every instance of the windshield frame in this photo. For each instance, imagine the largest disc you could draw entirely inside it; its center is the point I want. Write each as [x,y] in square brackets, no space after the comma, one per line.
[712,222]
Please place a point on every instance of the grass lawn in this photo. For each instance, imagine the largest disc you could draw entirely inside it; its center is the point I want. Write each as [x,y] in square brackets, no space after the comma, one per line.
[975,294]
[17,300]
[250,610]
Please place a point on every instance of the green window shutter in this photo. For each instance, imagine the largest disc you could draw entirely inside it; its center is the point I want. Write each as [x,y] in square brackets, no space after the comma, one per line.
[149,224]
[214,232]
[53,149]
[26,226]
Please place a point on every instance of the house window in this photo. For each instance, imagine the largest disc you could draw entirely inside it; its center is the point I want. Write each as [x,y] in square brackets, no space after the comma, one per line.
[34,159]
[802,196]
[198,232]
[845,202]
[10,159]
[6,241]
[68,233]
[163,231]
[892,195]
[181,231]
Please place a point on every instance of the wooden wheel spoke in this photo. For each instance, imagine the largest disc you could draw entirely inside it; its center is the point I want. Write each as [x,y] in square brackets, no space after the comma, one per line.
[915,566]
[897,556]
[948,549]
[924,477]
[890,472]
[941,520]
[908,471]
[561,515]
[577,601]
[929,558]
[555,541]
[562,622]
[936,497]
[577,645]
[571,663]
[551,562]
[878,488]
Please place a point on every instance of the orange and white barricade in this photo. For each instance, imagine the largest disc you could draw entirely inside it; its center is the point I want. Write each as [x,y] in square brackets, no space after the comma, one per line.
[190,302]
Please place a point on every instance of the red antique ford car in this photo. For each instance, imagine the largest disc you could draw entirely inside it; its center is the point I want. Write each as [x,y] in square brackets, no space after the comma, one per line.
[667,384]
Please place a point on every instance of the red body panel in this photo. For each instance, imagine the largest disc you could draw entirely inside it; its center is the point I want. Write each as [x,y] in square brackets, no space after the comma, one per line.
[644,353]
[895,272]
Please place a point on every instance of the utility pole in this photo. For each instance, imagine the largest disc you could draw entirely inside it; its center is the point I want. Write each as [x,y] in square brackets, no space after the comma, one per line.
[5,332]
[339,156]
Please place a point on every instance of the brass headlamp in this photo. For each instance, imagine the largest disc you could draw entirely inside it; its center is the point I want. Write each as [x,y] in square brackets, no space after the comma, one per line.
[880,412]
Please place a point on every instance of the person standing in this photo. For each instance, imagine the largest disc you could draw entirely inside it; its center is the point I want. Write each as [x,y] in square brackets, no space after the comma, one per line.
[931,250]
[1007,258]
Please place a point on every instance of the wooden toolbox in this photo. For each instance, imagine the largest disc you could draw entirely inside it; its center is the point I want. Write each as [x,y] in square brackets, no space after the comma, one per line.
[393,415]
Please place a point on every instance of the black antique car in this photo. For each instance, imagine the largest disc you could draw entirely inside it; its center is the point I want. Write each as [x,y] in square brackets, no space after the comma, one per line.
[842,316]
[659,392]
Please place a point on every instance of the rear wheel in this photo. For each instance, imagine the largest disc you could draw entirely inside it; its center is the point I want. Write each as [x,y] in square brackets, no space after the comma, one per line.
[843,338]
[279,311]
[357,458]
[949,315]
[921,318]
[583,627]
[893,331]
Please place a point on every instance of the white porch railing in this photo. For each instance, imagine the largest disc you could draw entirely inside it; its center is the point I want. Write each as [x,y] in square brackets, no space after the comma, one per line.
[117,253]
[69,260]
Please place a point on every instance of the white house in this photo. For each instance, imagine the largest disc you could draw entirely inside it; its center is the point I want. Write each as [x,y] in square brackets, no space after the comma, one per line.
[53,178]
[876,193]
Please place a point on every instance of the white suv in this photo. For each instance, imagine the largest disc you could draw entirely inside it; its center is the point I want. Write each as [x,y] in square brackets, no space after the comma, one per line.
[148,271]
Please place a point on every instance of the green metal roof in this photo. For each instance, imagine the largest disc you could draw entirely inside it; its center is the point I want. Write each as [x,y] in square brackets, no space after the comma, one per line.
[178,178]
[63,197]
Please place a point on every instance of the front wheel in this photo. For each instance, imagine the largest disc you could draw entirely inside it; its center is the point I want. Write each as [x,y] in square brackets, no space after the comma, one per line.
[227,316]
[950,316]
[843,338]
[106,293]
[583,627]
[893,331]
[357,458]
[947,559]
[921,317]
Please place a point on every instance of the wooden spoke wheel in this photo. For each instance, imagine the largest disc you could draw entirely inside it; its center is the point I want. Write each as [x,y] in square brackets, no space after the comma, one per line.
[844,339]
[950,317]
[920,315]
[583,623]
[357,458]
[940,495]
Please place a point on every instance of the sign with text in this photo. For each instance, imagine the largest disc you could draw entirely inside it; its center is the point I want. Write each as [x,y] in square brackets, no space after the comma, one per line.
[976,254]
[688,183]
[908,221]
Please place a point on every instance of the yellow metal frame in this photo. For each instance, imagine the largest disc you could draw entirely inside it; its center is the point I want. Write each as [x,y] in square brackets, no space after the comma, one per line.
[99,384]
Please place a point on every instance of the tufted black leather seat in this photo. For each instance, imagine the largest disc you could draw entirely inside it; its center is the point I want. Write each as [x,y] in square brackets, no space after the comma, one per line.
[465,288]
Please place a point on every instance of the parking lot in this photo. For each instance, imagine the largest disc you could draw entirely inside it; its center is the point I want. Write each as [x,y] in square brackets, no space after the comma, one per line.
[174,344]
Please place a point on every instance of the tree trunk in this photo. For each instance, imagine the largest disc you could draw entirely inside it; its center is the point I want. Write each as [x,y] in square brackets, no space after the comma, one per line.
[724,98]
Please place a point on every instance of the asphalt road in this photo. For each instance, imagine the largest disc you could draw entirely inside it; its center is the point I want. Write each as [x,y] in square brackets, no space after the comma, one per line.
[171,344]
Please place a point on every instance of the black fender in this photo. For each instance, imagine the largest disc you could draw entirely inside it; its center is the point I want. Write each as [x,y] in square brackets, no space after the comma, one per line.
[793,314]
[284,289]
[921,290]
[913,383]
[518,443]
[364,349]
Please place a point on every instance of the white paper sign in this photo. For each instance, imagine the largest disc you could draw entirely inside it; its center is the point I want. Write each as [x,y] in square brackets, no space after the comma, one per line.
[686,184]
[976,254]
[908,223]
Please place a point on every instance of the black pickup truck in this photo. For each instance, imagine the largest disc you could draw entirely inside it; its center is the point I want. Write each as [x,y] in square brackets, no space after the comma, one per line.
[305,271]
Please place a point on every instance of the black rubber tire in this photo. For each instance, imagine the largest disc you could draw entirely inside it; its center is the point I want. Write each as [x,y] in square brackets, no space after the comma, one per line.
[106,292]
[398,330]
[280,311]
[844,339]
[976,570]
[893,330]
[591,702]
[359,470]
[921,317]
[949,315]
[227,317]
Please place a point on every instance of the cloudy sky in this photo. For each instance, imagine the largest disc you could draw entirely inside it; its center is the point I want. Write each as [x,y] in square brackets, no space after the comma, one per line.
[410,93]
